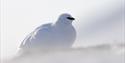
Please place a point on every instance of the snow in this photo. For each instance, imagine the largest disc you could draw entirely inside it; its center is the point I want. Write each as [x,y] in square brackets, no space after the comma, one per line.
[105,53]
[97,22]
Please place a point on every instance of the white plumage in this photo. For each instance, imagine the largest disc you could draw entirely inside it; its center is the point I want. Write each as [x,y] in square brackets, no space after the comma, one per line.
[60,34]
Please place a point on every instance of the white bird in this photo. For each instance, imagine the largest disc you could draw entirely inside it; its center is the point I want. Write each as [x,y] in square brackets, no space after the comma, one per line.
[60,34]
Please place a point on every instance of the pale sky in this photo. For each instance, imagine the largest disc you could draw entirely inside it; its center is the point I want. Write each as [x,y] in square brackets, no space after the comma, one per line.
[97,21]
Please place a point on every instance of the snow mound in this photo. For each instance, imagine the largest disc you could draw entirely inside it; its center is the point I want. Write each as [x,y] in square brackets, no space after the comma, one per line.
[105,53]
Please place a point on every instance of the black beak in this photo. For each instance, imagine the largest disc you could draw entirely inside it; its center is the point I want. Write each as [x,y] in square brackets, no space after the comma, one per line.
[70,18]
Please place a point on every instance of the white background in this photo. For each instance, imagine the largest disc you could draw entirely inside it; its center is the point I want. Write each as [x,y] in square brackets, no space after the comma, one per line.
[97,21]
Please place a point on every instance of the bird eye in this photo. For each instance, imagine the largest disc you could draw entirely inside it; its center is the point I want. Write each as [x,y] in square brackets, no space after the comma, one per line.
[70,18]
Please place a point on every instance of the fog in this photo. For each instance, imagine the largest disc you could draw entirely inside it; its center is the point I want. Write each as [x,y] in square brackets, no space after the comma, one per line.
[98,22]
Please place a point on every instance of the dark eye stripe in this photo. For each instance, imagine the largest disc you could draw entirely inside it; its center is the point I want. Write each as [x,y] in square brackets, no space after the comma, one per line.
[70,18]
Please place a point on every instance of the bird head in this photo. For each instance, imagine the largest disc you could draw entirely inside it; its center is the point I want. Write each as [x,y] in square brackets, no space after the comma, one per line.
[66,18]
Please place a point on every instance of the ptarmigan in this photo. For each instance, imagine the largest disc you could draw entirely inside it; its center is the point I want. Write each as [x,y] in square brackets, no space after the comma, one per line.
[60,34]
